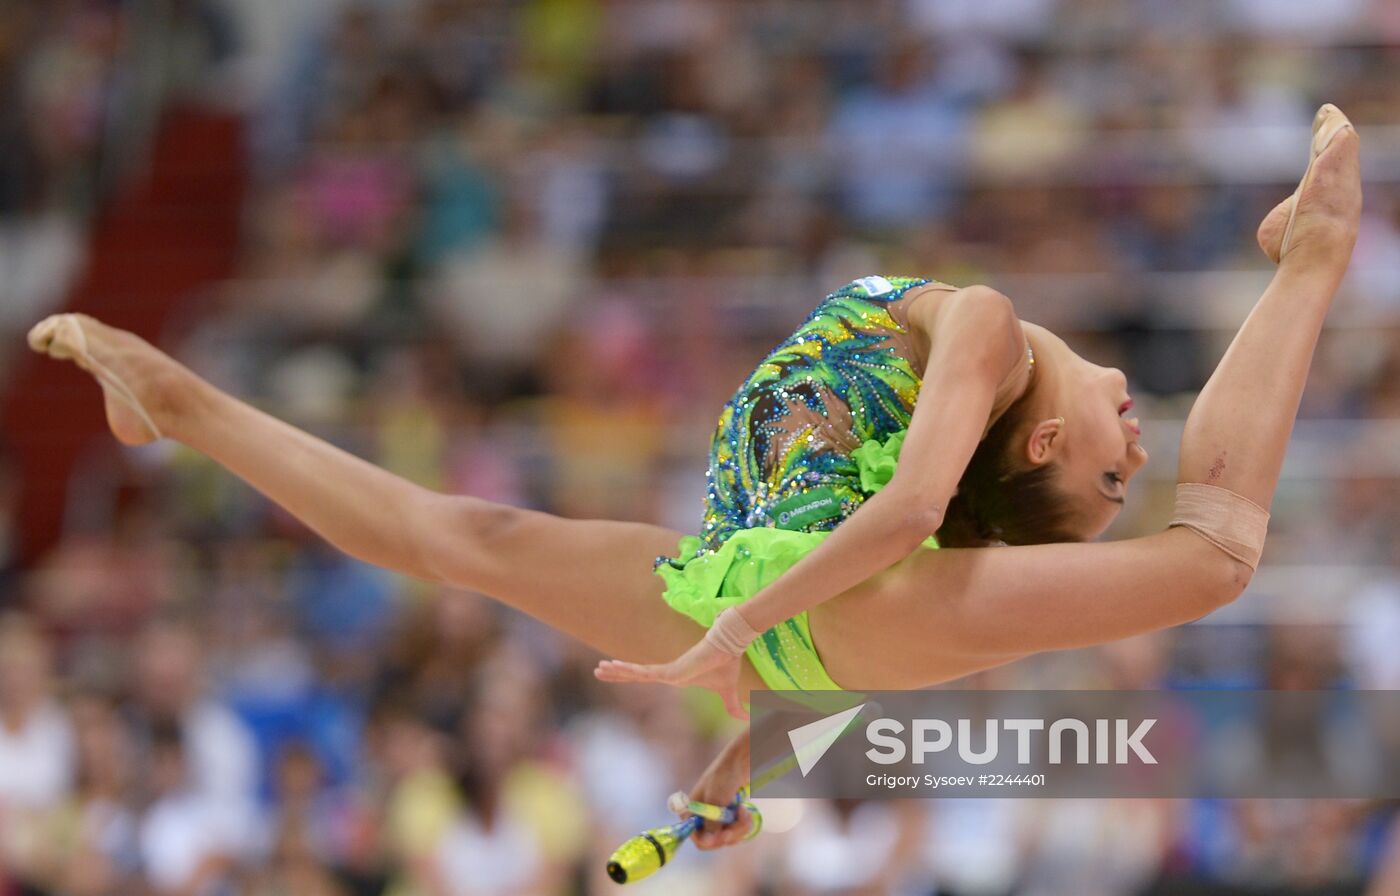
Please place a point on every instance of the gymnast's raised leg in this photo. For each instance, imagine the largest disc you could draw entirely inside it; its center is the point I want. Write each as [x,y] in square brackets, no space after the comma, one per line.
[950,612]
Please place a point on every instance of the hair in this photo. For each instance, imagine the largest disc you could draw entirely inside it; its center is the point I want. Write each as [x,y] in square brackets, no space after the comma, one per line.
[1002,501]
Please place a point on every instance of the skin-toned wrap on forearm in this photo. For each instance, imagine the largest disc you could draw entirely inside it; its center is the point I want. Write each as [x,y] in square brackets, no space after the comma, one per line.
[1229,521]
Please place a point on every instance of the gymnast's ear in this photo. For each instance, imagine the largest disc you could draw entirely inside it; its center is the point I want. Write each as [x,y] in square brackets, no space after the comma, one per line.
[1045,441]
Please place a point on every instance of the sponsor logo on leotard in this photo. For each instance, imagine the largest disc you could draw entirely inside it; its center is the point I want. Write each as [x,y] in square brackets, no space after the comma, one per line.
[803,510]
[875,286]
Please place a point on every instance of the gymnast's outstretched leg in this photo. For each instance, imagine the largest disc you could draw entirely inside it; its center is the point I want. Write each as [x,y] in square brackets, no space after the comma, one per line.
[591,579]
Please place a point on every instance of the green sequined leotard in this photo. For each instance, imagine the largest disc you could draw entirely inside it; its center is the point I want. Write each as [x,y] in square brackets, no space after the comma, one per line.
[813,432]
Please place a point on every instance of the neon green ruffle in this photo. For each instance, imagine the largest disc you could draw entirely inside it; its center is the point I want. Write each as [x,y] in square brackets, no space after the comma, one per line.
[876,461]
[703,584]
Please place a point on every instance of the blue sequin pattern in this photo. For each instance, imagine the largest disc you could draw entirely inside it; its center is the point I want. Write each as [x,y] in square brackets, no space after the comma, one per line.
[844,377]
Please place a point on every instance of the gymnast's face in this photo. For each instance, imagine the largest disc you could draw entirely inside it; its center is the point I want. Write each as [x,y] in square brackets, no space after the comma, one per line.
[1094,444]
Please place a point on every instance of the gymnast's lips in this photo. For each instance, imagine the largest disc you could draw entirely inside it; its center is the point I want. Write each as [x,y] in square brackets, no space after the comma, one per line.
[1131,422]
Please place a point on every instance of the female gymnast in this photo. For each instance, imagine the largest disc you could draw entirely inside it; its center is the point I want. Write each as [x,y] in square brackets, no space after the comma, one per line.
[1004,436]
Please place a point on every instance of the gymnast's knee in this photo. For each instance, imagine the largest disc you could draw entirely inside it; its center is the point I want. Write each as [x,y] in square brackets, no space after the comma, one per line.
[464,537]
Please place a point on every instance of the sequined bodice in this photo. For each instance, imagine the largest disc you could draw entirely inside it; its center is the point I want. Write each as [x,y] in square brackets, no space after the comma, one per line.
[782,451]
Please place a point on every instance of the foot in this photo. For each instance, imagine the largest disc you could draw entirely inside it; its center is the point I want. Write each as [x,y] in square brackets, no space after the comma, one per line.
[134,375]
[1323,213]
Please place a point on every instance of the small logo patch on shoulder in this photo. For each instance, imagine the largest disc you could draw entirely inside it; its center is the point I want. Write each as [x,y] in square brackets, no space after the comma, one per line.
[875,286]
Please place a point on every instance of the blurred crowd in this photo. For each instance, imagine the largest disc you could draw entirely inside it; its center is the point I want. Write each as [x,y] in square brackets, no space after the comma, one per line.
[525,250]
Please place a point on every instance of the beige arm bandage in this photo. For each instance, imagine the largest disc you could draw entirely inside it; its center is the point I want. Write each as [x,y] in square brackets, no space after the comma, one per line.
[731,633]
[1229,521]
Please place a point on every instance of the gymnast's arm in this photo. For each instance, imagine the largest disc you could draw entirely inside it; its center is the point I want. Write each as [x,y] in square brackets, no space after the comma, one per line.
[975,342]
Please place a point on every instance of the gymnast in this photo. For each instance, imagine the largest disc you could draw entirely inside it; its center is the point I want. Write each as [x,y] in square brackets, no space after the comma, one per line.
[853,480]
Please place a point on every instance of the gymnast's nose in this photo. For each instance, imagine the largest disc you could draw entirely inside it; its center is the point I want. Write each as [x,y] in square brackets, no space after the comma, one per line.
[1117,379]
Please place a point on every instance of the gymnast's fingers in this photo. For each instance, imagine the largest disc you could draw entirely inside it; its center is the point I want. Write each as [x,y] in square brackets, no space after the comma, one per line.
[706,836]
[618,671]
[717,836]
[738,830]
[733,703]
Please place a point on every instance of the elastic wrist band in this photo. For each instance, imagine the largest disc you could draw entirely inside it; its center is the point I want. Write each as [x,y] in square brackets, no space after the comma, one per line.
[731,633]
[1229,521]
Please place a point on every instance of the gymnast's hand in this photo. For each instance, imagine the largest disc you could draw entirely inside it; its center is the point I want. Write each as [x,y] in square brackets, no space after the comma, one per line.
[720,781]
[703,665]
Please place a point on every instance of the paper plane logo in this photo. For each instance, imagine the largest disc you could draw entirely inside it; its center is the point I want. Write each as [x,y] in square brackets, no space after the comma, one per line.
[811,741]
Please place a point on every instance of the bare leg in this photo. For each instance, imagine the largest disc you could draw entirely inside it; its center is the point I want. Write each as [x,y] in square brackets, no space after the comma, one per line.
[942,614]
[590,579]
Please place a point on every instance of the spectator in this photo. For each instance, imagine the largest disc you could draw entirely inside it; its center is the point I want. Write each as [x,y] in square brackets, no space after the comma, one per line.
[36,748]
[420,798]
[94,848]
[190,839]
[309,831]
[36,735]
[209,754]
[897,141]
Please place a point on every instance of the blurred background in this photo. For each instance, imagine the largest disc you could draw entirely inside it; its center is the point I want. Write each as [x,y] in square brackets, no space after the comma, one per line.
[526,250]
